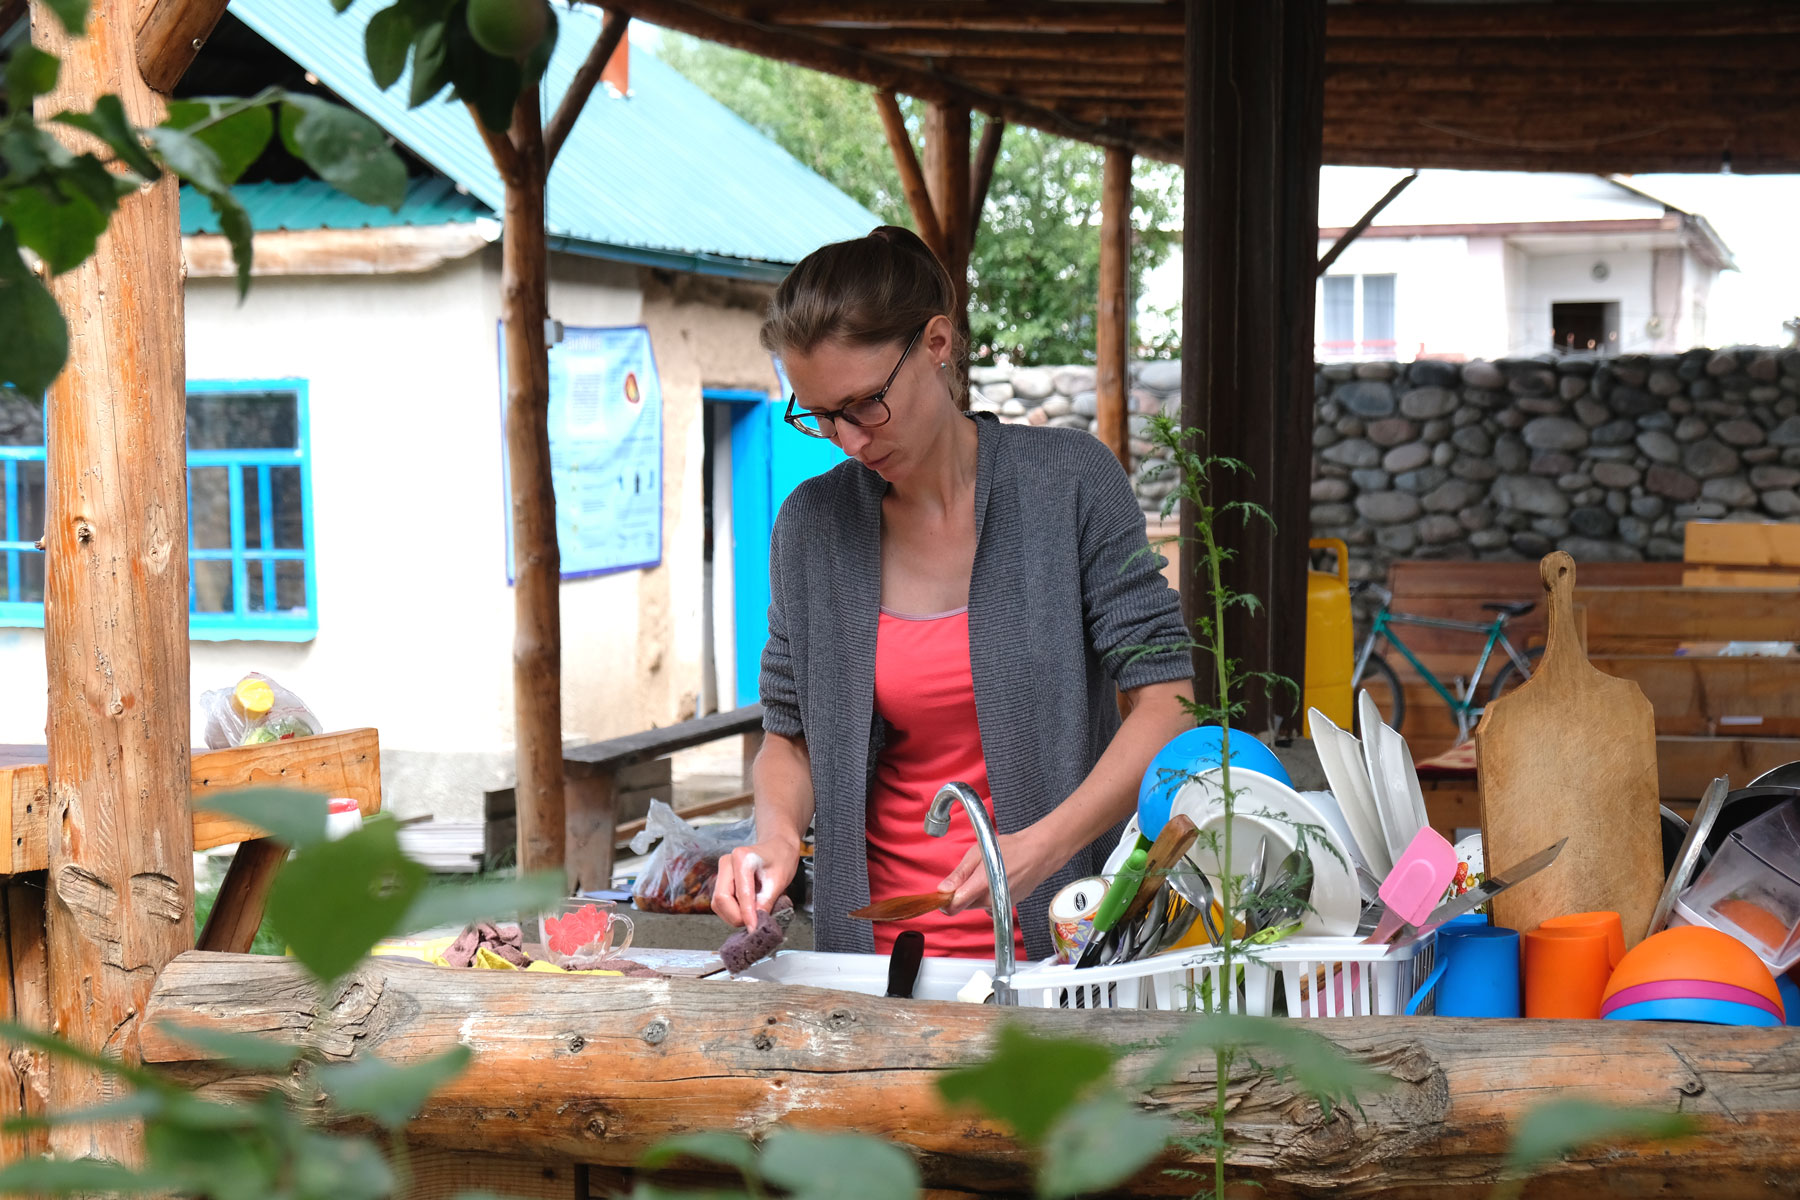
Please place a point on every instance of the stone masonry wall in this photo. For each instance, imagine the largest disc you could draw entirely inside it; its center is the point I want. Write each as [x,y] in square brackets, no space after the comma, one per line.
[1604,458]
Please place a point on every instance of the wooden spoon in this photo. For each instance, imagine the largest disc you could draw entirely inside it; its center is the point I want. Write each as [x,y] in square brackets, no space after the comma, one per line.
[903,908]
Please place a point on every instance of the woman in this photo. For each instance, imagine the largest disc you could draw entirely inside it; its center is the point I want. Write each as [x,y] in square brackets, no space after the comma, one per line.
[958,601]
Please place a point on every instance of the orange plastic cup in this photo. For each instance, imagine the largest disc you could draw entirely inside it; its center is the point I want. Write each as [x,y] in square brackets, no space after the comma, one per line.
[1608,922]
[1566,970]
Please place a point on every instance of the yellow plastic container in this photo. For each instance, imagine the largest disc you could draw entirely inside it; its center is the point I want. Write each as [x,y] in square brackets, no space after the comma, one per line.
[1330,641]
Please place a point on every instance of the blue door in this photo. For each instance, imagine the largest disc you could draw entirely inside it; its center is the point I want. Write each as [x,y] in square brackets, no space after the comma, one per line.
[768,460]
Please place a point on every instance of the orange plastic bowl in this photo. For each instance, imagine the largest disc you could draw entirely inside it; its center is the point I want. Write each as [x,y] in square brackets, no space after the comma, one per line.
[1697,952]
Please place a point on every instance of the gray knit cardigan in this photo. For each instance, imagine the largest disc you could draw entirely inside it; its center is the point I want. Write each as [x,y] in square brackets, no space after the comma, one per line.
[1061,590]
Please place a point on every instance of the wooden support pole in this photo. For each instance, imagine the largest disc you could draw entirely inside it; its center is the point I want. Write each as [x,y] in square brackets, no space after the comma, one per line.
[599,1070]
[981,178]
[1113,316]
[593,800]
[120,841]
[912,178]
[169,35]
[947,179]
[537,560]
[1367,219]
[568,109]
[237,910]
[1254,120]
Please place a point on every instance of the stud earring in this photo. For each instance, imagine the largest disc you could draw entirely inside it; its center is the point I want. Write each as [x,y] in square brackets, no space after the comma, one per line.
[943,366]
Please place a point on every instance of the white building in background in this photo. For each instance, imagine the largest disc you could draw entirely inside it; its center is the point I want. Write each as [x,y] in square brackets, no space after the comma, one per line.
[1467,264]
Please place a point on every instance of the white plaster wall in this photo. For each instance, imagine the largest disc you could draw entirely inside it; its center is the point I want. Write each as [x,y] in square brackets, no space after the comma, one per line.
[1449,292]
[415,612]
[1559,278]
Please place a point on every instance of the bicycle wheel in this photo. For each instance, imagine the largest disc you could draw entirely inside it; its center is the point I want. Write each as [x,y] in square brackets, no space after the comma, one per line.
[1508,677]
[1384,688]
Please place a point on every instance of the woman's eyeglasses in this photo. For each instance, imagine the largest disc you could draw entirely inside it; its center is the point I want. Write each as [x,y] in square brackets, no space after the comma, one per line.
[866,413]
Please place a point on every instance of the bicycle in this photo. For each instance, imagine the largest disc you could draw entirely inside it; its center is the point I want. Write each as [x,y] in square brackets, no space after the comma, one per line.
[1373,672]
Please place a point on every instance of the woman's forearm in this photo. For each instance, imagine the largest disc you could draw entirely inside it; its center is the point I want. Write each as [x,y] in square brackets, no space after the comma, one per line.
[1109,793]
[781,780]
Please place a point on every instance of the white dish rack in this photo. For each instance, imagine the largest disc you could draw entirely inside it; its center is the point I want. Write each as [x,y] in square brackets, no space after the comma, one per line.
[1318,977]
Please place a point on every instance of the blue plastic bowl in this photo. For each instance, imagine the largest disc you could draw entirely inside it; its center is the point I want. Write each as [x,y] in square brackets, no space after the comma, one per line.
[1191,753]
[1710,1012]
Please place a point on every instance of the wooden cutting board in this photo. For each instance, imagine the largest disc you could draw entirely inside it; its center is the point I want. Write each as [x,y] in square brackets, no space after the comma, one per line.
[1571,753]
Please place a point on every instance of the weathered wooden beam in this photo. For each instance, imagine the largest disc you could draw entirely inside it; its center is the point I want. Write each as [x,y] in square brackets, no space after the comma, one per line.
[1007,16]
[598,1070]
[981,175]
[391,250]
[912,177]
[1133,50]
[1775,51]
[568,109]
[121,875]
[1250,244]
[169,35]
[1343,81]
[757,32]
[1629,25]
[1363,222]
[1112,325]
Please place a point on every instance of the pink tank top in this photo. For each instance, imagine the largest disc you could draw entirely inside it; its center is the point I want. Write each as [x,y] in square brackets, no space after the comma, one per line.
[925,693]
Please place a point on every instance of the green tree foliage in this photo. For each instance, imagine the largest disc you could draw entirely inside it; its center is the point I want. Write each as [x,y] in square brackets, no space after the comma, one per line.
[1036,261]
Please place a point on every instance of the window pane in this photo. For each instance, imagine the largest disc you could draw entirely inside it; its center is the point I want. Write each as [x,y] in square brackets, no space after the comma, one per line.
[253,585]
[243,420]
[284,500]
[290,586]
[212,586]
[31,576]
[1340,312]
[1378,309]
[21,419]
[252,509]
[21,503]
[209,514]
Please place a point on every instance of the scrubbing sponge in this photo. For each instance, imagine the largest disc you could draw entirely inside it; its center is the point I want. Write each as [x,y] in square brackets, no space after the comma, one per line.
[758,941]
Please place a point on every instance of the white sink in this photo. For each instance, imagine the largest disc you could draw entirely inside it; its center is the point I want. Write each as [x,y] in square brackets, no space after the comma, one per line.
[939,978]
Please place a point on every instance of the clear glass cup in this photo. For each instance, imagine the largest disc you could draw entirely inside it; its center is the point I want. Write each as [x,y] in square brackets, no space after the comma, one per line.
[579,928]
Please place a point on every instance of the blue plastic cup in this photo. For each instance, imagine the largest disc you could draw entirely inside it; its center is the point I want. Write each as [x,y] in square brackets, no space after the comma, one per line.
[1481,971]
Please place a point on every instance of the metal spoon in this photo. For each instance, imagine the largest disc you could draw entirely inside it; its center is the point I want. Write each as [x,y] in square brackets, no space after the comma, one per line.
[1205,902]
[1295,877]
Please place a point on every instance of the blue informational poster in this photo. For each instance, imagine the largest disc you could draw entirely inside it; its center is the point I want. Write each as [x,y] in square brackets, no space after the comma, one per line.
[605,451]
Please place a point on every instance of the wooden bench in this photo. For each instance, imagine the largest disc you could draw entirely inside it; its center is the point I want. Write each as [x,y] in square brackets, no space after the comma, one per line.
[591,775]
[1741,554]
[1456,591]
[347,763]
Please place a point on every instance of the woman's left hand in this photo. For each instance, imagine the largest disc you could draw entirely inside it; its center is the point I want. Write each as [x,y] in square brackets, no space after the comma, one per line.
[1030,859]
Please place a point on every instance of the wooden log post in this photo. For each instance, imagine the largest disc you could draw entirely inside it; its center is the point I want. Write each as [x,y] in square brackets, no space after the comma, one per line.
[1112,349]
[1250,247]
[599,1070]
[121,878]
[947,176]
[537,560]
[25,999]
[912,177]
[170,33]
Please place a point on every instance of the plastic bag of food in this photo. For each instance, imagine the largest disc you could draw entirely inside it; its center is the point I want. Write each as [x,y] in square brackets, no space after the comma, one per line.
[679,876]
[255,710]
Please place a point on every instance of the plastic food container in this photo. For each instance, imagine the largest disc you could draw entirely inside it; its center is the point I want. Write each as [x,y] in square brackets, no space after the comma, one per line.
[1751,888]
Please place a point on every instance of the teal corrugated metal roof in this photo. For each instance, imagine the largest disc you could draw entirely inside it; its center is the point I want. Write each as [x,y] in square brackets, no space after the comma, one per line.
[667,171]
[314,204]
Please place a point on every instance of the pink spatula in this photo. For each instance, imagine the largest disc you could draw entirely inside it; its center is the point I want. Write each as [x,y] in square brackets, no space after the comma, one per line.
[1416,883]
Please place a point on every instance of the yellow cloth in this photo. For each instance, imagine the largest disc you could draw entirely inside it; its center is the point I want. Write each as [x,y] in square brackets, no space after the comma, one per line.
[432,950]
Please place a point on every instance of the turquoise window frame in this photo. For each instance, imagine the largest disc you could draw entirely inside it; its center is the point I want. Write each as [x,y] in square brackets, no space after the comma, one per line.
[14,545]
[240,624]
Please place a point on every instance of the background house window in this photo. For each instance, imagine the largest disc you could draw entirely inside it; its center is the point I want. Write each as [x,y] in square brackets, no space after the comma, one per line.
[1356,318]
[249,511]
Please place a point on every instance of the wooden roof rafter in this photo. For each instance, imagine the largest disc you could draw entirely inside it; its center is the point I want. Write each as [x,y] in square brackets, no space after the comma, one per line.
[735,25]
[1652,85]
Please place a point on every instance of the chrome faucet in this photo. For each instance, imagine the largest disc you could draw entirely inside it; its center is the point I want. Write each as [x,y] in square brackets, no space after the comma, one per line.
[937,824]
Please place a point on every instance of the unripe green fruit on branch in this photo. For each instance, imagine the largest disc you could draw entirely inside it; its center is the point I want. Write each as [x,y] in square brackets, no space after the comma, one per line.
[509,28]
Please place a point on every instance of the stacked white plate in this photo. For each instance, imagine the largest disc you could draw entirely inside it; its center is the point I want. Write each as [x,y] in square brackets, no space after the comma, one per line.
[1375,783]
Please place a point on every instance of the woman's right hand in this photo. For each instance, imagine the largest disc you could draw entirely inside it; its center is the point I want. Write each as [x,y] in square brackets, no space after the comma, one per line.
[750,878]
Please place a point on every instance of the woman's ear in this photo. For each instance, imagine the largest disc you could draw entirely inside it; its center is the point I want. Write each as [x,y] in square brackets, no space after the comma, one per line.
[939,341]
